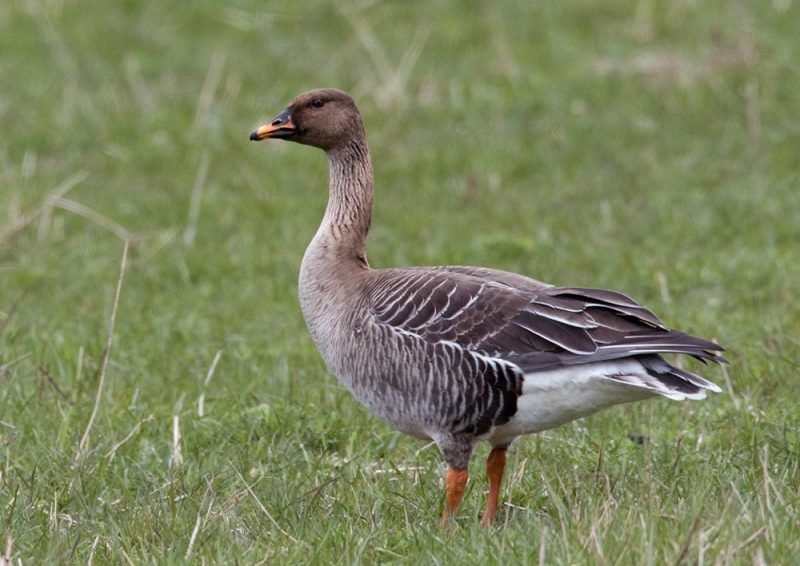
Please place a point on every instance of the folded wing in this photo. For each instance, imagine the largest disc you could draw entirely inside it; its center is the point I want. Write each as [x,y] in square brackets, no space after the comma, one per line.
[533,325]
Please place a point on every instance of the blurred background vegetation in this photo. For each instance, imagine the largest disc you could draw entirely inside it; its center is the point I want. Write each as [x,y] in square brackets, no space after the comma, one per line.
[649,147]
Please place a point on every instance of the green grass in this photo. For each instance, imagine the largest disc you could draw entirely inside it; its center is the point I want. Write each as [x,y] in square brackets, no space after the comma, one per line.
[649,147]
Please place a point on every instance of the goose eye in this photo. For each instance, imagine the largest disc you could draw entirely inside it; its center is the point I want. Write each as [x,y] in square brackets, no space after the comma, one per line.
[317,103]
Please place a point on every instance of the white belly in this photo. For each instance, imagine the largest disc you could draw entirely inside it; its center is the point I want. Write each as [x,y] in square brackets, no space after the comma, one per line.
[552,398]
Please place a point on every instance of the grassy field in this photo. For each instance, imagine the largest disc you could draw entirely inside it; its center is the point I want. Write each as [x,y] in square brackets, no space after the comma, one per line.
[651,147]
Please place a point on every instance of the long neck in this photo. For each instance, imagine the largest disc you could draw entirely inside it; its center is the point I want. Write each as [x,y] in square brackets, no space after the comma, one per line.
[343,232]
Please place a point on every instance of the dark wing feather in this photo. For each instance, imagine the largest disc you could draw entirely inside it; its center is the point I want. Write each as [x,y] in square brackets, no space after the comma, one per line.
[534,325]
[565,336]
[442,306]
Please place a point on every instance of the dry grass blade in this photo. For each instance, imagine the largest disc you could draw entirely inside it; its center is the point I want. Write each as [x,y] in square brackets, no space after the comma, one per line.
[261,505]
[212,368]
[12,310]
[393,79]
[396,84]
[751,539]
[201,401]
[5,559]
[679,67]
[90,214]
[543,546]
[206,99]
[373,47]
[113,452]
[5,367]
[106,356]
[44,209]
[194,203]
[193,537]
[42,14]
[198,524]
[92,551]
[176,460]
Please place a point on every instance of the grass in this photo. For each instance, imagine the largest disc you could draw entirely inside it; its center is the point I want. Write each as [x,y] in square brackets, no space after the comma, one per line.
[649,147]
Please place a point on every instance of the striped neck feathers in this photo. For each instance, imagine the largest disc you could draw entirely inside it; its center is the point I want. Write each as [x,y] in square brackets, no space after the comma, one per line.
[347,218]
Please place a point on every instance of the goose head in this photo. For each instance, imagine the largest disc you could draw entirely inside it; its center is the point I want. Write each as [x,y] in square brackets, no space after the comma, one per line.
[325,118]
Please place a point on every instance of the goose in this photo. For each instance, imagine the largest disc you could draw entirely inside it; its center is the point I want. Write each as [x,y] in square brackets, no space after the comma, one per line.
[459,355]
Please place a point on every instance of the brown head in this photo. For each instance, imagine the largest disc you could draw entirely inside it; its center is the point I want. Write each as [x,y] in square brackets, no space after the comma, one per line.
[326,118]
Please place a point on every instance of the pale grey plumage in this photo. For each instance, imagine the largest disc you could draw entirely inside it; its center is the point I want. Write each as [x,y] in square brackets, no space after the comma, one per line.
[462,354]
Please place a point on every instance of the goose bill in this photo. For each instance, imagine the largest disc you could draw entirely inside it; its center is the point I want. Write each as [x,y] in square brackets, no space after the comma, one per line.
[282,126]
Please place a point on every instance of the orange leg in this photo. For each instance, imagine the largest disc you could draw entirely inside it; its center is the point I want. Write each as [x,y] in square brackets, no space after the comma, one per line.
[495,466]
[454,486]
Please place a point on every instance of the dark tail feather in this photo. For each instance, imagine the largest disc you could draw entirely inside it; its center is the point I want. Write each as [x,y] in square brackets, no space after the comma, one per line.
[674,382]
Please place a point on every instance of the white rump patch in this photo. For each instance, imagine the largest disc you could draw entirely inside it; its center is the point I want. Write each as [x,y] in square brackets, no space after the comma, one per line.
[554,397]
